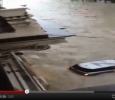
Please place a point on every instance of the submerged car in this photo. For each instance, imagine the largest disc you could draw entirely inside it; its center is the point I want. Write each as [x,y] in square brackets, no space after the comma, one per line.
[93,68]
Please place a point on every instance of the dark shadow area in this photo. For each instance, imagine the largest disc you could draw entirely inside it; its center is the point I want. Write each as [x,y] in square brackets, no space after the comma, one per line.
[5,27]
[5,83]
[110,87]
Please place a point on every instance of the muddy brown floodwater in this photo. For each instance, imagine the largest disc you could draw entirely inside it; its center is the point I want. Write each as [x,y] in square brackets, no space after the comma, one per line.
[94,26]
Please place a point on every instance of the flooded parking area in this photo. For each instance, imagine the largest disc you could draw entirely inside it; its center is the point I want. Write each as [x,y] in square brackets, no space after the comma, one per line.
[94,27]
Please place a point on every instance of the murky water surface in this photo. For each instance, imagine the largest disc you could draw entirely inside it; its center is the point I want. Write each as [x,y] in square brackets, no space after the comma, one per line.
[94,25]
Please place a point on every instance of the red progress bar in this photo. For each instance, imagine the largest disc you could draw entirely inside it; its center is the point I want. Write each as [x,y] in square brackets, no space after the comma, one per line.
[13,92]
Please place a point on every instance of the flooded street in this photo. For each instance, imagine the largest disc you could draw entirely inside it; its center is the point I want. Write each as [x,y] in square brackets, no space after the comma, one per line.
[94,27]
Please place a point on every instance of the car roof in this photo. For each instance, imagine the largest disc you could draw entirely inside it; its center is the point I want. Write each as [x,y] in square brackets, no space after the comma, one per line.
[98,64]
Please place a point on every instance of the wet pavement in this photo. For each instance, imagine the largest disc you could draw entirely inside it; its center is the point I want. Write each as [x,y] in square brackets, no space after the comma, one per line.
[92,23]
